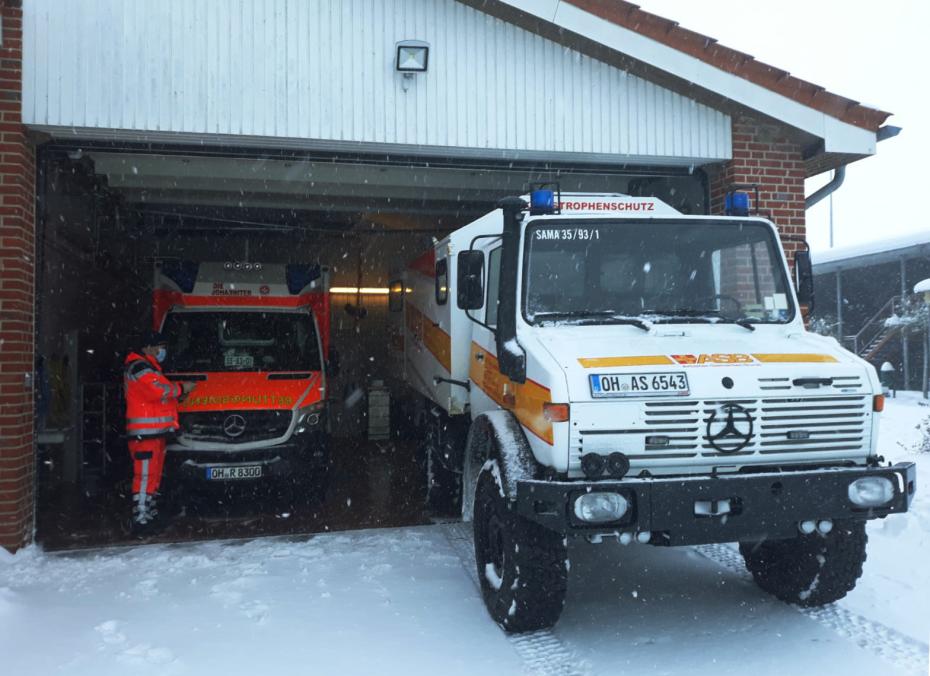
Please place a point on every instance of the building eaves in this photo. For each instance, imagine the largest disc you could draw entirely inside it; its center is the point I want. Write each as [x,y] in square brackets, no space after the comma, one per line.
[539,16]
[732,61]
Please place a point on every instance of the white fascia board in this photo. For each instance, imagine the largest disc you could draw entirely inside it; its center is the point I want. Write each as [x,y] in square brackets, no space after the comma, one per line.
[838,136]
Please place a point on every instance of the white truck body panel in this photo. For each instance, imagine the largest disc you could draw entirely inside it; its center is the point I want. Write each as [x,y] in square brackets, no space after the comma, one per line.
[792,424]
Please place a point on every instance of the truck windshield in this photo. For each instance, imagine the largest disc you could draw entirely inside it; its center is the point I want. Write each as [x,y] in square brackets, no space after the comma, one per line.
[698,271]
[241,341]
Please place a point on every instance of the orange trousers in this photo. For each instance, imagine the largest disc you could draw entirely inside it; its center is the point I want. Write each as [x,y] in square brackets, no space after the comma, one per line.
[148,460]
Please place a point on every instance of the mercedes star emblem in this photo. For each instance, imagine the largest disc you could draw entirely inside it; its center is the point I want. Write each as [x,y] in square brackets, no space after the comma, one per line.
[729,428]
[234,425]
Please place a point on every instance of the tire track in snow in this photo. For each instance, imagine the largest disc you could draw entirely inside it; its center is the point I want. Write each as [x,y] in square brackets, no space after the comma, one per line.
[542,652]
[904,652]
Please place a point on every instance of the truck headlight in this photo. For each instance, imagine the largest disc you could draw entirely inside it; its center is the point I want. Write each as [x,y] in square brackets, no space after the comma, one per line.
[601,507]
[871,491]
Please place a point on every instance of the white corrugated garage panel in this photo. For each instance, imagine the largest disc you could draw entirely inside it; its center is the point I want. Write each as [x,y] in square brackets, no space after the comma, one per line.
[320,73]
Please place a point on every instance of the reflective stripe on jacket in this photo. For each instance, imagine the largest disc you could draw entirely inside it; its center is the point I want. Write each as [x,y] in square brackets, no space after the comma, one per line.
[151,399]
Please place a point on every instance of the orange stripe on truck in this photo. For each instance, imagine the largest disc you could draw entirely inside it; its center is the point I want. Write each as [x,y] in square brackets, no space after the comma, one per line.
[433,338]
[525,401]
[646,360]
[795,358]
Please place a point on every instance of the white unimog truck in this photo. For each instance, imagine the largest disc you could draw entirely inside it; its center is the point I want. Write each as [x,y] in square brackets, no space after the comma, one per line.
[604,366]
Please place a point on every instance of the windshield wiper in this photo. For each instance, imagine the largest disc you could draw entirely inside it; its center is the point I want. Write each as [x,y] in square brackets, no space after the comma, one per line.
[745,322]
[610,316]
[709,316]
[682,316]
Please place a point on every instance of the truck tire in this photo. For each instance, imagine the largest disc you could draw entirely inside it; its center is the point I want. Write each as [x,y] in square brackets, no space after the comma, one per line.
[809,570]
[521,565]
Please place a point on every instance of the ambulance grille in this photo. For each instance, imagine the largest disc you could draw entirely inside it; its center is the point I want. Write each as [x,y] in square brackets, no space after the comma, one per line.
[259,426]
[674,433]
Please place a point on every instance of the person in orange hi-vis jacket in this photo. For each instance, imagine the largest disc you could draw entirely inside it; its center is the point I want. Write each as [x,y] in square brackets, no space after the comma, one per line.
[151,416]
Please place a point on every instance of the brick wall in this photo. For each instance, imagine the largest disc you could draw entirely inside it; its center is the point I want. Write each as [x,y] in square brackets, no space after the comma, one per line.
[17,297]
[762,155]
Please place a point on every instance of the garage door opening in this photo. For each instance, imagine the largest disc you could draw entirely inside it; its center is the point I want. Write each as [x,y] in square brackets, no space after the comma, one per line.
[109,216]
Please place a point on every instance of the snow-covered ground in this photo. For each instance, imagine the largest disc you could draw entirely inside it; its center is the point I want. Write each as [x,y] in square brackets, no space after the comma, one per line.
[405,602]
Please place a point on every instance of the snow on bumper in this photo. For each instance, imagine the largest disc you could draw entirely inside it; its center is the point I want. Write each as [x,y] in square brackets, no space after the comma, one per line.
[701,510]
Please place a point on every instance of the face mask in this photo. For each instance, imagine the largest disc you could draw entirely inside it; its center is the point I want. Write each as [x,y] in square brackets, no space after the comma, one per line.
[162,353]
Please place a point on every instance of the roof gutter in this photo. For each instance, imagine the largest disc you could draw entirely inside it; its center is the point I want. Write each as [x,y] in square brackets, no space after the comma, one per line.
[839,175]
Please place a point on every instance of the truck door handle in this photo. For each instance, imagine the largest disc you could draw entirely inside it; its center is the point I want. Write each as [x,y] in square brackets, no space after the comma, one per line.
[479,356]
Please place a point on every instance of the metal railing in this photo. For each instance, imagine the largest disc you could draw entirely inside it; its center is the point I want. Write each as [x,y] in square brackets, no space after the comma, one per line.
[875,328]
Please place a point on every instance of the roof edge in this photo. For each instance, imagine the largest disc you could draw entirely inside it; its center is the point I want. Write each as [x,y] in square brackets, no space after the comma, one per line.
[734,62]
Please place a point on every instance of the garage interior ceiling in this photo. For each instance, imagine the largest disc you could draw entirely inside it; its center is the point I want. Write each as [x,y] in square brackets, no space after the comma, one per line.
[361,192]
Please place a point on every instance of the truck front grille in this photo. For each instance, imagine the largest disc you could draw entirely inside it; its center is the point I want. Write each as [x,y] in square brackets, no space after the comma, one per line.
[670,433]
[223,426]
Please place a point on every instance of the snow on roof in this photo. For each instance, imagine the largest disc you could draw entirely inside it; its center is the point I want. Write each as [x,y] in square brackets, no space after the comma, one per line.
[877,251]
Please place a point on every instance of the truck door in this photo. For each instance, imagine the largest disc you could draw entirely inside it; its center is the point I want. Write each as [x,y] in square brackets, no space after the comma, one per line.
[488,385]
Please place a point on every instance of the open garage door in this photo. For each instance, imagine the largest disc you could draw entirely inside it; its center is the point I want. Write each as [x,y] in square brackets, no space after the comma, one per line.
[111,215]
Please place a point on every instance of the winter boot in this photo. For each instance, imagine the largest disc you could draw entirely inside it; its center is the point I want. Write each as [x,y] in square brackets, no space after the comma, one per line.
[144,514]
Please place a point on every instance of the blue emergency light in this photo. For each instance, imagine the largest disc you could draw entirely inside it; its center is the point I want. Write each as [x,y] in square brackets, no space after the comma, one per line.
[182,273]
[737,204]
[542,201]
[299,276]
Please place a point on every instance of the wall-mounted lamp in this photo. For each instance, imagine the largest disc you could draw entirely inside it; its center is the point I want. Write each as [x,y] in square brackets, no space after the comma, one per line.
[412,57]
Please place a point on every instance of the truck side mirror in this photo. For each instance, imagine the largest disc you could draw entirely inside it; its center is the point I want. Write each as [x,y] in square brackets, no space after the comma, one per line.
[804,279]
[469,293]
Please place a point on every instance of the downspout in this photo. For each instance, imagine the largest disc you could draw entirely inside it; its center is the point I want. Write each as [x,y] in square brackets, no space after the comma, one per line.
[884,133]
[839,175]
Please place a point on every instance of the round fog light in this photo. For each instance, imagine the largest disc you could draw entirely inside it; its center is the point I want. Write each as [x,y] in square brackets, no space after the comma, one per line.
[592,464]
[871,491]
[617,465]
[600,507]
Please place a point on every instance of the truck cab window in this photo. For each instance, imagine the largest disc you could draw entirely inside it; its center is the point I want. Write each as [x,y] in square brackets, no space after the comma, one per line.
[494,276]
[697,271]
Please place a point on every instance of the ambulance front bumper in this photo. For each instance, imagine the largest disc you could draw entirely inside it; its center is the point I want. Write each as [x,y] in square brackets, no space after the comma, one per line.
[302,454]
[703,510]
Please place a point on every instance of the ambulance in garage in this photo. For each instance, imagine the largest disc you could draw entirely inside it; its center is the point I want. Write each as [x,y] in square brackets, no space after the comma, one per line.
[254,338]
[603,366]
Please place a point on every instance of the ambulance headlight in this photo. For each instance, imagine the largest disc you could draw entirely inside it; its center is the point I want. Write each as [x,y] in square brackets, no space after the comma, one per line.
[871,491]
[309,417]
[601,507]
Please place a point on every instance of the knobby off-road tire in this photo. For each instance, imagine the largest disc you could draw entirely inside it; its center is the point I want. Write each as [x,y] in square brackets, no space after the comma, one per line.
[521,565]
[809,570]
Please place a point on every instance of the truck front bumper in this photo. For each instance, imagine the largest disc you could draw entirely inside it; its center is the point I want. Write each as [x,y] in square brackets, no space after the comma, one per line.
[730,508]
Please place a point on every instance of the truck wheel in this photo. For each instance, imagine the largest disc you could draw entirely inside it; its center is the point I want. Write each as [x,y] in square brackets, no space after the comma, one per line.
[809,570]
[521,565]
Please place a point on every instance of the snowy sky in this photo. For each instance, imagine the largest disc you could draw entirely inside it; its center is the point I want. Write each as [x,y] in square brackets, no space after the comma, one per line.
[872,52]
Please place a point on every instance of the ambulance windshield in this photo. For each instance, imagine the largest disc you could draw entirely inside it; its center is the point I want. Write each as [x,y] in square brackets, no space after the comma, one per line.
[686,272]
[241,341]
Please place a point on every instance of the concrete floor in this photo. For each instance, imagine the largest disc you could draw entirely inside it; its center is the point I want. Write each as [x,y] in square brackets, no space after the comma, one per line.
[374,485]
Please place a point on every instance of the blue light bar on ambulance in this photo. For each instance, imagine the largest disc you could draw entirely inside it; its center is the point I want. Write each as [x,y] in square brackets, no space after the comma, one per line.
[542,202]
[182,273]
[301,276]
